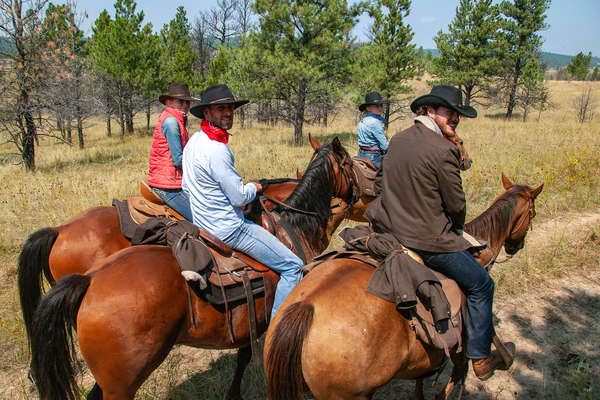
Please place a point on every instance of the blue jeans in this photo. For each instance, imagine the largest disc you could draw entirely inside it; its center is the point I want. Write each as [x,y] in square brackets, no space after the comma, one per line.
[478,286]
[177,200]
[374,156]
[259,244]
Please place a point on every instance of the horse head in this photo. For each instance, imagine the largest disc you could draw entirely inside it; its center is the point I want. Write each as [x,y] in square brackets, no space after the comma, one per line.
[341,174]
[465,161]
[523,215]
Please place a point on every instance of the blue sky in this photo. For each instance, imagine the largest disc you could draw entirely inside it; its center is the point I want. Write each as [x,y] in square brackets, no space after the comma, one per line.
[574,25]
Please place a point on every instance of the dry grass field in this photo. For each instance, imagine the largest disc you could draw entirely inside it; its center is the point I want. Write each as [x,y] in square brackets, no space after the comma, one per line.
[548,296]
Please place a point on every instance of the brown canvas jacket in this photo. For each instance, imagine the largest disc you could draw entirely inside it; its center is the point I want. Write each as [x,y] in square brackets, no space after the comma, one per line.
[420,197]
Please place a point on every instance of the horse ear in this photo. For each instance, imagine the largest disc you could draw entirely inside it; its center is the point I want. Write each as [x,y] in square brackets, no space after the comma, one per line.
[506,182]
[337,145]
[534,193]
[314,143]
[298,174]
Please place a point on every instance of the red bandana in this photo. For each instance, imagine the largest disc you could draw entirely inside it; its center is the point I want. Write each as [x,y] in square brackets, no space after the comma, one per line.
[213,132]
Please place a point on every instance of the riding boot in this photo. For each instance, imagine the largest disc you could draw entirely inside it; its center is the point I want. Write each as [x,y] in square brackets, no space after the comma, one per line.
[484,367]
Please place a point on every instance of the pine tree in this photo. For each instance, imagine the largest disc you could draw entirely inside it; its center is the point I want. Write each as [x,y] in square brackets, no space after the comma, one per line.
[389,60]
[531,89]
[524,19]
[177,54]
[300,54]
[469,51]
[579,66]
[122,52]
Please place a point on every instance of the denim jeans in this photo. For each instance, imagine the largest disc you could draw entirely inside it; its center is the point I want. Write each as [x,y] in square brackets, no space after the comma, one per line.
[261,245]
[374,156]
[177,200]
[478,286]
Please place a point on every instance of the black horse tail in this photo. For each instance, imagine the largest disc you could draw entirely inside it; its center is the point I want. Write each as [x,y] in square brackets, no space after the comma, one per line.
[33,261]
[283,365]
[52,347]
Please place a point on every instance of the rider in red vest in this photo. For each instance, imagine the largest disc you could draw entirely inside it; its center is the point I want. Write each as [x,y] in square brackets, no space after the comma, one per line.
[170,137]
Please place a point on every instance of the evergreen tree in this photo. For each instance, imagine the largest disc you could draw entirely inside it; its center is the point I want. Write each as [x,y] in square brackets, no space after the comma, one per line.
[579,66]
[595,74]
[122,51]
[469,51]
[300,54]
[177,54]
[531,89]
[389,60]
[64,55]
[524,19]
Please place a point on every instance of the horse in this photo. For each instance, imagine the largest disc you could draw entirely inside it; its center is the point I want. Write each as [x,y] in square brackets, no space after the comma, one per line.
[344,343]
[82,243]
[131,309]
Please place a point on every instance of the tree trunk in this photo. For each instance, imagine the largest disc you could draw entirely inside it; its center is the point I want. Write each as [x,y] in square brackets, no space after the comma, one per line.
[299,117]
[387,112]
[148,117]
[80,128]
[69,138]
[29,135]
[129,110]
[121,119]
[513,89]
[108,130]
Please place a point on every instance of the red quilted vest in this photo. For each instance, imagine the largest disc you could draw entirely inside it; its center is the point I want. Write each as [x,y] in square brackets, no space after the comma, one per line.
[162,173]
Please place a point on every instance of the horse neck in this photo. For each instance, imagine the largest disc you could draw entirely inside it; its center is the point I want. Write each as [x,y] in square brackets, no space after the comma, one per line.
[313,195]
[495,223]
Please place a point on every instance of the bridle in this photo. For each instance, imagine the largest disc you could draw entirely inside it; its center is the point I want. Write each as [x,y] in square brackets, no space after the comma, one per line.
[520,228]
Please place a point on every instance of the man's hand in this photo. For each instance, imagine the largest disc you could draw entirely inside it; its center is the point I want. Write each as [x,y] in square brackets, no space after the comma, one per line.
[259,187]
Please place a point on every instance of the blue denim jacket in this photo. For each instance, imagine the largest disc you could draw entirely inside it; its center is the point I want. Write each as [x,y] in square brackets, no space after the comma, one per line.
[370,132]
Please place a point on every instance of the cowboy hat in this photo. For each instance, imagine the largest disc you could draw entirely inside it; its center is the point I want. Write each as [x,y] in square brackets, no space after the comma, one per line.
[177,91]
[216,94]
[372,98]
[447,96]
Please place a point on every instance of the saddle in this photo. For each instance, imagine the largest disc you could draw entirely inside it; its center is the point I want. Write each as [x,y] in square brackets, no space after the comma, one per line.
[364,171]
[436,322]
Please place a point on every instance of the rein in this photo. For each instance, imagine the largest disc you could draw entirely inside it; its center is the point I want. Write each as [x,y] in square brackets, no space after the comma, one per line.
[520,224]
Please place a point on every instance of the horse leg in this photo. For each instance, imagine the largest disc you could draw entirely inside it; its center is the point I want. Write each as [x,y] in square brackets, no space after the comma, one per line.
[244,355]
[418,393]
[95,393]
[459,373]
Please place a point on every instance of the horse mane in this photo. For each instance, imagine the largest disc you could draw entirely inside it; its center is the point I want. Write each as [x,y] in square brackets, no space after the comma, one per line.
[497,217]
[313,195]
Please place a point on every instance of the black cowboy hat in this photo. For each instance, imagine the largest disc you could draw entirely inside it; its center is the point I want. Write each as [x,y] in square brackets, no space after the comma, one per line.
[216,94]
[447,96]
[372,98]
[177,91]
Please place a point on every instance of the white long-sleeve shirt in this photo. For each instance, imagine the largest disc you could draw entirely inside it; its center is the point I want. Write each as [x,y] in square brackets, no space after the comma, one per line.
[214,186]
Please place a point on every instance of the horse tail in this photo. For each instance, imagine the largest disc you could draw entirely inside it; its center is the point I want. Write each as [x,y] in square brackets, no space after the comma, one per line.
[283,362]
[52,347]
[33,261]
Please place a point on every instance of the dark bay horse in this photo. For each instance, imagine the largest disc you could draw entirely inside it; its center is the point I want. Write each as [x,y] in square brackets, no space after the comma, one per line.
[132,308]
[345,343]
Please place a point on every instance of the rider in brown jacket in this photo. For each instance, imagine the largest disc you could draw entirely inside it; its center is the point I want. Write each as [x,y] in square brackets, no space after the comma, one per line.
[422,203]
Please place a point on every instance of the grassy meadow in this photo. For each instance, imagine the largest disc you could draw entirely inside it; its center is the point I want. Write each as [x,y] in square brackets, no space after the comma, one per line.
[555,150]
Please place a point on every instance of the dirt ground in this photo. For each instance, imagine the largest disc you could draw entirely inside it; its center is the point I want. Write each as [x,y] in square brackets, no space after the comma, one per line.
[556,327]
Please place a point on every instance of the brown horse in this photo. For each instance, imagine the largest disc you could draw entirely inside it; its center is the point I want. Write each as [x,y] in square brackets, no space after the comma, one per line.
[131,309]
[345,343]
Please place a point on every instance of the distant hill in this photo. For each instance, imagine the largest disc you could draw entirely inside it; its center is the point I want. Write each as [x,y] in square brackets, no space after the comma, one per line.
[552,60]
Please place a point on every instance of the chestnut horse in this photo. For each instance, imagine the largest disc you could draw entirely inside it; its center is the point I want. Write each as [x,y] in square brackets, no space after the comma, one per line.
[130,310]
[345,343]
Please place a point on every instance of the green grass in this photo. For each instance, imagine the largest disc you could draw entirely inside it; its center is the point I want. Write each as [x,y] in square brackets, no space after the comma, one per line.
[556,151]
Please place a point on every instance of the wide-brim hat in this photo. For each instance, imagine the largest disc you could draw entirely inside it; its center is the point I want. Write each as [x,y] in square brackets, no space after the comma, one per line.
[177,91]
[216,94]
[372,98]
[447,96]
